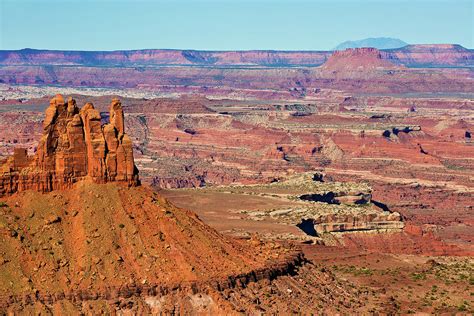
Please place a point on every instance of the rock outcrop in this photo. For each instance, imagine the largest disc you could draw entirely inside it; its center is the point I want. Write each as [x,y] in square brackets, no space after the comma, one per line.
[74,146]
[357,59]
[370,222]
[351,211]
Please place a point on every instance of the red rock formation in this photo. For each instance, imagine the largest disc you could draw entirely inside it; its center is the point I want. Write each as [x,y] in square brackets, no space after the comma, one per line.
[434,55]
[74,145]
[353,59]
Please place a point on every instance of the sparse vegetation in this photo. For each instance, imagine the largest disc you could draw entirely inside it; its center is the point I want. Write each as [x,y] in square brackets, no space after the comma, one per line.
[418,276]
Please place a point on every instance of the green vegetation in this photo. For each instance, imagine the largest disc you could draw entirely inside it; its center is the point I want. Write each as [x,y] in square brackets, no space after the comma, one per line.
[439,287]
[463,307]
[418,276]
[453,167]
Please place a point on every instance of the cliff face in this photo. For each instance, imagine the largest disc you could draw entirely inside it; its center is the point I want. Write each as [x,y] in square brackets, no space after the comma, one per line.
[74,145]
[411,56]
[435,55]
[161,57]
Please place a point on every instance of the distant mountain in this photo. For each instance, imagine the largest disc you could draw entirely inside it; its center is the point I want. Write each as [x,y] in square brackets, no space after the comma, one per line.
[376,42]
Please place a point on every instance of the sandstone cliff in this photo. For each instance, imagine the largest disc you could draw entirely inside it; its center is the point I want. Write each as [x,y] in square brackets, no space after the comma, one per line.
[74,146]
[434,55]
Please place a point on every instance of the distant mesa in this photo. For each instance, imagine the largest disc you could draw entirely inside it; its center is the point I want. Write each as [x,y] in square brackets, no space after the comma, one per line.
[416,55]
[436,48]
[354,59]
[74,146]
[375,42]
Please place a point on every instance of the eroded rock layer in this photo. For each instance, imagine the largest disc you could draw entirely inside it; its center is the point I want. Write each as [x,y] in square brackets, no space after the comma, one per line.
[74,145]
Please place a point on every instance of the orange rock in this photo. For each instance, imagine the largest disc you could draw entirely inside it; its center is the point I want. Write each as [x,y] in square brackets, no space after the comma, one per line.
[116,116]
[95,142]
[74,145]
[20,158]
[71,107]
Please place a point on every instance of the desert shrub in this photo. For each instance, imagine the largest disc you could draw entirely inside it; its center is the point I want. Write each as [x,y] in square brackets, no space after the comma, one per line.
[418,276]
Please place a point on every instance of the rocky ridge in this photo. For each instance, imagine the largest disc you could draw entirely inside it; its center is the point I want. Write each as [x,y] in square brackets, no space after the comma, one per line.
[74,146]
[106,245]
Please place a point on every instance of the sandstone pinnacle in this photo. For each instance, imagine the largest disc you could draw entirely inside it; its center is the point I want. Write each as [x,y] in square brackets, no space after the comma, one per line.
[74,146]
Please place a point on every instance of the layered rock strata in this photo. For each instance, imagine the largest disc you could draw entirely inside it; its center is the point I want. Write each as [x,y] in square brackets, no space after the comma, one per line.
[74,146]
[370,221]
[432,55]
[357,59]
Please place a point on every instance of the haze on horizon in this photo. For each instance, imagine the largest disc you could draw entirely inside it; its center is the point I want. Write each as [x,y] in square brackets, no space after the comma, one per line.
[229,24]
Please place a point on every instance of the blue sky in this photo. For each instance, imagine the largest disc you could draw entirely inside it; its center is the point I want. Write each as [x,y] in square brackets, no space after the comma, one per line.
[229,24]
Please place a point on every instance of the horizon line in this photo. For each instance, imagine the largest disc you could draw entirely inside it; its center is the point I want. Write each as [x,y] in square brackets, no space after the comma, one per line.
[227,50]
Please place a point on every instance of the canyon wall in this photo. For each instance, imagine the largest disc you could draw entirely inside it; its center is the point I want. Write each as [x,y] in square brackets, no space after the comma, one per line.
[447,55]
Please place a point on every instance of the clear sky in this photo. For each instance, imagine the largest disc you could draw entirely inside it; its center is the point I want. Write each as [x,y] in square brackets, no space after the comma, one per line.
[229,24]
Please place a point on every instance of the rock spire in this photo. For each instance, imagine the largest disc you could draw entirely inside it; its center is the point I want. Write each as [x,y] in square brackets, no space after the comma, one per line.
[74,146]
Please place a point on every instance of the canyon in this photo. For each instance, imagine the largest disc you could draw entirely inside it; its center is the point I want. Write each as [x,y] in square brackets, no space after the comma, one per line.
[354,168]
